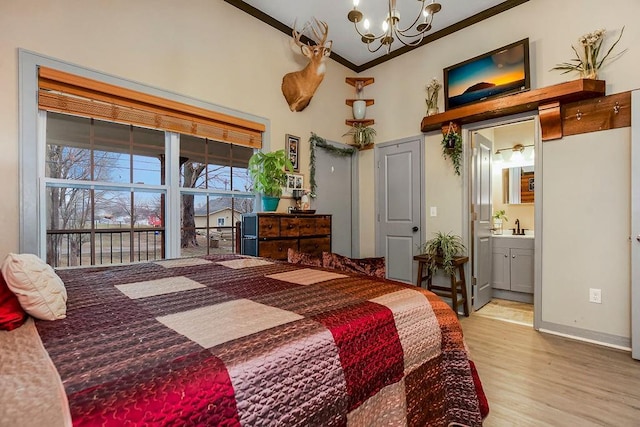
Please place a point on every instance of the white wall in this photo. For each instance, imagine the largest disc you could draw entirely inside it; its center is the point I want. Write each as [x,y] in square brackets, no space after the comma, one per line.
[585,240]
[204,49]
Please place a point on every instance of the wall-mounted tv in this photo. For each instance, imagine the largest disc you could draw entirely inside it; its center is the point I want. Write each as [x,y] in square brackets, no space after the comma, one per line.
[496,73]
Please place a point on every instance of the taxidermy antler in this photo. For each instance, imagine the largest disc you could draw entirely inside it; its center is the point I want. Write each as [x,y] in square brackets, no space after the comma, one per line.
[298,87]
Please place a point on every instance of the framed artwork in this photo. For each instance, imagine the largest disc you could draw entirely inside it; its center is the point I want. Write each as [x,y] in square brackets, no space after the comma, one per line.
[294,182]
[292,147]
[500,72]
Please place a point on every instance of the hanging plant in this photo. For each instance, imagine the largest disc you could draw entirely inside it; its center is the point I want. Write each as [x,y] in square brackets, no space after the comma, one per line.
[452,147]
[316,141]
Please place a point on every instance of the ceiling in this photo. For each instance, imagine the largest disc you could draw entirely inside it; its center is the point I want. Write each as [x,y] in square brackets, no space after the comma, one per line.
[347,47]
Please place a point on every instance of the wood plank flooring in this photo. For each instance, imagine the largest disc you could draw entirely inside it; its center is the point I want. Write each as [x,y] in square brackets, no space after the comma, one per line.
[537,379]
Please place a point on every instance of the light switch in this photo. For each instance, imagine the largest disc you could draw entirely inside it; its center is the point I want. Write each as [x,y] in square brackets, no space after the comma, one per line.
[434,211]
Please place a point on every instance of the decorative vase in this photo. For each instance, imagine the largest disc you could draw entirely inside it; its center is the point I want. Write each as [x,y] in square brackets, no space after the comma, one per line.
[270,204]
[497,226]
[359,109]
[589,73]
[432,110]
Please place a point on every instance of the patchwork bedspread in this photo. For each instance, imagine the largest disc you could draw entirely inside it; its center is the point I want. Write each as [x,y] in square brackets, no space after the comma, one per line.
[230,340]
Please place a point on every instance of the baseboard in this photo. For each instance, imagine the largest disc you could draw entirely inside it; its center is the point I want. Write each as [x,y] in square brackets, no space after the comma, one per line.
[513,296]
[599,338]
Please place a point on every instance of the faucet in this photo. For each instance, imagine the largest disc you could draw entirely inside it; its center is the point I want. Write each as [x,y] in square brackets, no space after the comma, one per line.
[517,232]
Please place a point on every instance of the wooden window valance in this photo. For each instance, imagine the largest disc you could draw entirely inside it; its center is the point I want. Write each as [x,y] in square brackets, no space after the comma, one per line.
[67,93]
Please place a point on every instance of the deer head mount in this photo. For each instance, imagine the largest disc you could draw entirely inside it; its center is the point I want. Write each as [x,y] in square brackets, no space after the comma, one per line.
[298,87]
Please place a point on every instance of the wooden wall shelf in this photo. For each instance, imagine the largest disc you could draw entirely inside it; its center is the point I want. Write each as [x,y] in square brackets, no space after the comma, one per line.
[369,102]
[548,101]
[363,122]
[366,81]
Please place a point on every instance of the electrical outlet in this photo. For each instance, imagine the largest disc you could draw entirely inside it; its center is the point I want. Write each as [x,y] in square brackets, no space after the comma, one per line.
[595,295]
[434,211]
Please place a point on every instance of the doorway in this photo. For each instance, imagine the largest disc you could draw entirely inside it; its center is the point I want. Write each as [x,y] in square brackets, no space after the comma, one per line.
[337,172]
[399,178]
[502,184]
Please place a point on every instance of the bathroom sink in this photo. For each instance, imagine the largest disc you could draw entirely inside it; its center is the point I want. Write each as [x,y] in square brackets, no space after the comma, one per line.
[517,236]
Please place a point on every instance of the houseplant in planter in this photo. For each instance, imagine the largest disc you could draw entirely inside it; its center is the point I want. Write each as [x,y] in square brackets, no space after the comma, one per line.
[363,135]
[452,147]
[267,171]
[499,217]
[445,246]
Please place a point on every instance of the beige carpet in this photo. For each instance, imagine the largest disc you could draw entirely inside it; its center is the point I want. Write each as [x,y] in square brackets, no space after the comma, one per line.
[509,311]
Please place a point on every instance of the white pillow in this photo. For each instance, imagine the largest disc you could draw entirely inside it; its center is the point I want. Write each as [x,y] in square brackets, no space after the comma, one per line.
[39,289]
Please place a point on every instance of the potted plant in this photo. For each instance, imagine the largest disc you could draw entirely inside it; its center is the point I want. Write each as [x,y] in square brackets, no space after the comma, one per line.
[443,248]
[498,218]
[452,148]
[267,171]
[432,96]
[363,135]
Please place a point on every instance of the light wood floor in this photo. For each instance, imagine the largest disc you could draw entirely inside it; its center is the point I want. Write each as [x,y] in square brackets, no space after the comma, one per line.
[537,379]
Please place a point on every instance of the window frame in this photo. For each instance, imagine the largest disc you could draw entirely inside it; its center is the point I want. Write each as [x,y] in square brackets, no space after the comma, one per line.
[32,147]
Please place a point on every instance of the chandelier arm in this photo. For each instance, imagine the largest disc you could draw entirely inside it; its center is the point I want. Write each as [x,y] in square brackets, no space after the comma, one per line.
[372,37]
[399,31]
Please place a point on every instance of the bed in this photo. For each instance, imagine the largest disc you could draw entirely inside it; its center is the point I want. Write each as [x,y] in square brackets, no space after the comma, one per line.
[230,340]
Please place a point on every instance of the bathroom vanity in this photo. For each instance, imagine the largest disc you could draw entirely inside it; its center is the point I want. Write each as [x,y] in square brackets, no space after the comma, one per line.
[513,267]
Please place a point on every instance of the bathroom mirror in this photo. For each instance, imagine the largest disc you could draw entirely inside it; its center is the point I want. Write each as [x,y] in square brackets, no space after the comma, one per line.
[518,185]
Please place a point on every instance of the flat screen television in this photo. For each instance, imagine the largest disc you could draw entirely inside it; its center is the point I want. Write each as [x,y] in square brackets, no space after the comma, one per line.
[499,72]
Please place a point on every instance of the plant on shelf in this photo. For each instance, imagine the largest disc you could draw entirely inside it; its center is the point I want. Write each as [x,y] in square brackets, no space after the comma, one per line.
[267,171]
[443,248]
[586,61]
[433,88]
[452,147]
[362,134]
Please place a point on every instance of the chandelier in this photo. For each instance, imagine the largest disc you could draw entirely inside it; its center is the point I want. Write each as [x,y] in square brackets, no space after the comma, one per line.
[391,31]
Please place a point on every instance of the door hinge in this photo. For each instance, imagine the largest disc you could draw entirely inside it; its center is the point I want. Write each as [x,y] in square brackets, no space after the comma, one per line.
[378,217]
[474,281]
[378,164]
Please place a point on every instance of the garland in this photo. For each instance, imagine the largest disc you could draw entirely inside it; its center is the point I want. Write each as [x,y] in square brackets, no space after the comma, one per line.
[316,141]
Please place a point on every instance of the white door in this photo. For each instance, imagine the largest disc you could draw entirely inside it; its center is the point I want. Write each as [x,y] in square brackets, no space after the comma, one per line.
[399,207]
[334,195]
[635,224]
[481,220]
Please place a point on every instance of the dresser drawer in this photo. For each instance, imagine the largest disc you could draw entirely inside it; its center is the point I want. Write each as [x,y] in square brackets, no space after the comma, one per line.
[269,227]
[307,226]
[276,249]
[323,225]
[315,245]
[289,227]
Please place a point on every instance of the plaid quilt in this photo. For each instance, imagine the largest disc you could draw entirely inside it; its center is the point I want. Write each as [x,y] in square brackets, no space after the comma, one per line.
[231,340]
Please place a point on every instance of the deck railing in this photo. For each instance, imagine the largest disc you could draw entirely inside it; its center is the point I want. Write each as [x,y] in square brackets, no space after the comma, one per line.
[80,247]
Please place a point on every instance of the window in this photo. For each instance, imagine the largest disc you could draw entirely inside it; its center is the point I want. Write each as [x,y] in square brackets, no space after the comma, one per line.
[106,195]
[103,201]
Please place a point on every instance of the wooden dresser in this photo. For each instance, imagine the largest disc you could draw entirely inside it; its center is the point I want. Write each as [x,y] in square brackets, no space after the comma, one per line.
[271,234]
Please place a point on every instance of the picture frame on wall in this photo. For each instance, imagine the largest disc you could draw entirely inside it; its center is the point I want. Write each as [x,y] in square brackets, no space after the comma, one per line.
[493,74]
[292,148]
[294,182]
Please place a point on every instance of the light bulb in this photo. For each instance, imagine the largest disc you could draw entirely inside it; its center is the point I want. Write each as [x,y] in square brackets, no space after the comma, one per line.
[356,3]
[385,26]
[366,24]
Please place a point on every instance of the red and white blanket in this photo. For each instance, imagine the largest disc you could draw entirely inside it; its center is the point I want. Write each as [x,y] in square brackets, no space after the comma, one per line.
[230,340]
